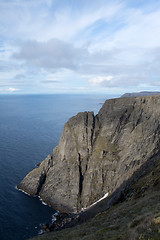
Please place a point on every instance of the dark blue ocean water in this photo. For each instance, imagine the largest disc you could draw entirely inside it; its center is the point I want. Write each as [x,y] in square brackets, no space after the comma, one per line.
[30,127]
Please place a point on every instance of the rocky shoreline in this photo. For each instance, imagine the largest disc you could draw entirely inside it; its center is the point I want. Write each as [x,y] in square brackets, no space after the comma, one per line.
[61,221]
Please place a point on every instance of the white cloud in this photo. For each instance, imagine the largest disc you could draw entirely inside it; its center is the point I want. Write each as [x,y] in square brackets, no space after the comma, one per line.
[52,54]
[49,2]
[106,44]
[117,69]
[13,89]
[45,19]
[97,81]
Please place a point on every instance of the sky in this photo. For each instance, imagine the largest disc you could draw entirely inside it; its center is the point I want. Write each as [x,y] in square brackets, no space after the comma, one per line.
[79,46]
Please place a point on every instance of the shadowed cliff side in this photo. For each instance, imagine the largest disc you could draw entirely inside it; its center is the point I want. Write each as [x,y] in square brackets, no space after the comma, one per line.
[134,211]
[96,154]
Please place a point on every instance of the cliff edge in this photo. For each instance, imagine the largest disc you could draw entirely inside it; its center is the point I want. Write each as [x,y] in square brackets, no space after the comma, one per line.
[97,154]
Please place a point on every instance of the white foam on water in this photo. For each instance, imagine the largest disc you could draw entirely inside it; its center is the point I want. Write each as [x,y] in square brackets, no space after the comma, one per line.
[53,219]
[54,216]
[22,191]
[40,232]
[44,203]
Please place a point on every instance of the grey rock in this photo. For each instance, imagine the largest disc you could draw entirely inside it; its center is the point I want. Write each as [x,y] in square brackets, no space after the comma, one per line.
[140,94]
[96,154]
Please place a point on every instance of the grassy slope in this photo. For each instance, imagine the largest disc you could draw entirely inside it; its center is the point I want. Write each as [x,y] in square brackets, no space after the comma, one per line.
[138,217]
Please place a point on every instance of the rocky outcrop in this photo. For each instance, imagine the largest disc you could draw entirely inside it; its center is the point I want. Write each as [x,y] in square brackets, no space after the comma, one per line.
[140,94]
[96,154]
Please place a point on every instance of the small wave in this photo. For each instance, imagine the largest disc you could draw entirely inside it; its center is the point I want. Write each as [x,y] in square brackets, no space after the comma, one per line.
[40,232]
[22,191]
[44,203]
[54,216]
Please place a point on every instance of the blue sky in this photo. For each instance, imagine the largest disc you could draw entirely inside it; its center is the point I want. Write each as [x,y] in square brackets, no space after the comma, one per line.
[72,46]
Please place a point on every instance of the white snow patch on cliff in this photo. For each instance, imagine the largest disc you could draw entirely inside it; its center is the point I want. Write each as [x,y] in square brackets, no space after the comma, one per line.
[106,195]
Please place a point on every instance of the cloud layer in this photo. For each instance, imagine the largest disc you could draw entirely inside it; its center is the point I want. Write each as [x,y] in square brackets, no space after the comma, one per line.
[99,47]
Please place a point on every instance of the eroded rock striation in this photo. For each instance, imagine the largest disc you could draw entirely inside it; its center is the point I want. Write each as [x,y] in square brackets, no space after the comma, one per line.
[96,154]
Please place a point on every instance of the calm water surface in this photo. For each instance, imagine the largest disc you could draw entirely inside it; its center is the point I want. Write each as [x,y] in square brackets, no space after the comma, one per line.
[30,127]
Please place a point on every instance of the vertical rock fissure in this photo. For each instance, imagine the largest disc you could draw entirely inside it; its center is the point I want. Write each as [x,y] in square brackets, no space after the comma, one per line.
[92,130]
[80,177]
[42,180]
[96,130]
[86,123]
[87,159]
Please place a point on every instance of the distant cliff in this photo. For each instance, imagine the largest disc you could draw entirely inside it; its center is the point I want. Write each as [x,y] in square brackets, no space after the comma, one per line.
[140,94]
[96,154]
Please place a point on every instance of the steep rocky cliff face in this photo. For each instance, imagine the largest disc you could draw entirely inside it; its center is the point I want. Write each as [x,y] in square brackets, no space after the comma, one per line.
[96,154]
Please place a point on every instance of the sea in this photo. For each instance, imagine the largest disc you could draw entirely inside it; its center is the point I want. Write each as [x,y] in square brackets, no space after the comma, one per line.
[30,127]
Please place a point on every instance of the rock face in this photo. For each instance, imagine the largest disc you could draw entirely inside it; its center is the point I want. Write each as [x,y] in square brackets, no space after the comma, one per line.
[96,154]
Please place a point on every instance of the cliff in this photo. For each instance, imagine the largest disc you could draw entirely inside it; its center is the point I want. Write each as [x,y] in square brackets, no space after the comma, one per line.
[135,216]
[97,154]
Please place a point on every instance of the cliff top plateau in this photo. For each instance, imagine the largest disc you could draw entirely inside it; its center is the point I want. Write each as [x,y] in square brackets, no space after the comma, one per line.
[140,94]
